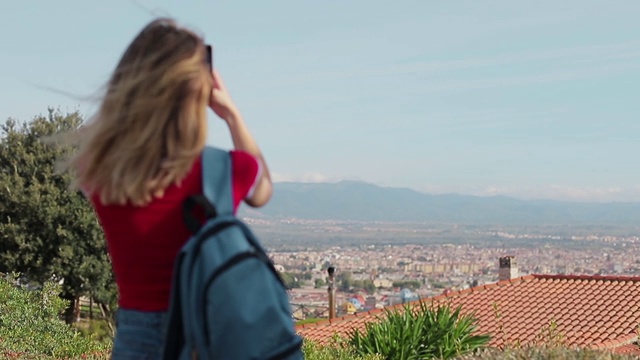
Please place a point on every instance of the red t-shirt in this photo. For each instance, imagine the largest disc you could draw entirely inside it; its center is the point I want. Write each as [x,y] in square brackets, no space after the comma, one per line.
[144,241]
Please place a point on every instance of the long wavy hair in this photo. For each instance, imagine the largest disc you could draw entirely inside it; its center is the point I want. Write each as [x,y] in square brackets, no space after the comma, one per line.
[152,121]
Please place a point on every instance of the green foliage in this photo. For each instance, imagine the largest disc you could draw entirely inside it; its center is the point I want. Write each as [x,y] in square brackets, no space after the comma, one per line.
[410,284]
[316,352]
[366,285]
[369,286]
[419,332]
[344,280]
[543,353]
[550,336]
[346,283]
[30,325]
[47,231]
[309,321]
[290,280]
[97,328]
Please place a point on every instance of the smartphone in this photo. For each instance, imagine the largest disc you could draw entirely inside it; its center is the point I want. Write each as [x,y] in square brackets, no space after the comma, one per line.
[209,51]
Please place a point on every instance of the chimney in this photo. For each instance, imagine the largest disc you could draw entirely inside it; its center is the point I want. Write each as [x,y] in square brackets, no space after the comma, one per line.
[508,268]
[332,292]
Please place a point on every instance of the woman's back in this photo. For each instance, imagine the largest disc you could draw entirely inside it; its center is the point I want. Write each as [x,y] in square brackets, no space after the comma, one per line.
[140,157]
[143,241]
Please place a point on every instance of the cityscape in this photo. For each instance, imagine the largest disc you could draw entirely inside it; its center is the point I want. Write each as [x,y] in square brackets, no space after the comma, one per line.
[376,275]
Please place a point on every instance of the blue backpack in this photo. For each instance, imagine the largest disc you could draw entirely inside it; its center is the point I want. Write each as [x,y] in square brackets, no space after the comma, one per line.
[227,300]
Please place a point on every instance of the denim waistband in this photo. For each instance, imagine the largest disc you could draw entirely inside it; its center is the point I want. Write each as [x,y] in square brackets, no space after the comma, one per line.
[140,318]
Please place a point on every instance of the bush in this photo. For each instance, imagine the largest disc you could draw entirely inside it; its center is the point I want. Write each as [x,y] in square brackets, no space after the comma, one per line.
[30,326]
[419,332]
[97,329]
[316,352]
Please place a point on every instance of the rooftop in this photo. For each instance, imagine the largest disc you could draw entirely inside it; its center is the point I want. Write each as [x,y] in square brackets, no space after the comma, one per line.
[598,312]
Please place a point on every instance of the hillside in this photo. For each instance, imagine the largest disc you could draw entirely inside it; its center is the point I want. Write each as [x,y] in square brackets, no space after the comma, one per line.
[349,200]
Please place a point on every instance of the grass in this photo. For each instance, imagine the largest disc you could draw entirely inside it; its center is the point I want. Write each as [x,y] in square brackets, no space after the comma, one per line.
[314,352]
[544,353]
[309,321]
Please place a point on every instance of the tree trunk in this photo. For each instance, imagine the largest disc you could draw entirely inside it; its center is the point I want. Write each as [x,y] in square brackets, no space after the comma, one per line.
[72,312]
[106,315]
[90,307]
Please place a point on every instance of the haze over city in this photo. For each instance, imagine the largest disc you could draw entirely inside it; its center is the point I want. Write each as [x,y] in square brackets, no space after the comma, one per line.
[530,100]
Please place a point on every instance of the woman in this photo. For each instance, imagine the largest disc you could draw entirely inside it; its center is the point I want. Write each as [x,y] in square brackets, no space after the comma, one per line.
[139,158]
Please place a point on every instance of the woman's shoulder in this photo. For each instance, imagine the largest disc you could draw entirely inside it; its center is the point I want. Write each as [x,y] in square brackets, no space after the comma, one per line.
[245,173]
[243,158]
[244,165]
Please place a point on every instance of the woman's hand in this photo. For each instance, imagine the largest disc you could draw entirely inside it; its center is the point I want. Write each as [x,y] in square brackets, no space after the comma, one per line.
[220,101]
[224,107]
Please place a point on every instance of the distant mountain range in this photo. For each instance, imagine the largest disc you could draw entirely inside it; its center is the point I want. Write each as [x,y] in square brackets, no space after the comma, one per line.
[360,201]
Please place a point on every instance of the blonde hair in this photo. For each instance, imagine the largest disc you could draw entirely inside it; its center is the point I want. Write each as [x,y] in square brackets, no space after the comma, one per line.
[152,122]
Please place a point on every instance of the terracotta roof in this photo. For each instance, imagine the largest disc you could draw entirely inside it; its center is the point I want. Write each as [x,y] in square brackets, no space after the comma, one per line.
[599,312]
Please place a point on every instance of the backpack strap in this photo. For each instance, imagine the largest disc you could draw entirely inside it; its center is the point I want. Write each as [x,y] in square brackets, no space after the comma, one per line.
[216,185]
[217,197]
[216,179]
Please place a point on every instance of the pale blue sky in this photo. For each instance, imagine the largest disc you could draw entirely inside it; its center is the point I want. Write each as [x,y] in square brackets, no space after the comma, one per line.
[527,99]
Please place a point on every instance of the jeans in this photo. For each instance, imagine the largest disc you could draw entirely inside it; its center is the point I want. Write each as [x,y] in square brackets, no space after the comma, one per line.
[139,335]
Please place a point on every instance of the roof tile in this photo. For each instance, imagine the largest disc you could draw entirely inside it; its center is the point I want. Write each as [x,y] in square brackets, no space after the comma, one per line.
[597,311]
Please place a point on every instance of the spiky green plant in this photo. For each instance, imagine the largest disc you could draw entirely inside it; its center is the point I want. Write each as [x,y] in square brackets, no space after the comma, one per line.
[419,331]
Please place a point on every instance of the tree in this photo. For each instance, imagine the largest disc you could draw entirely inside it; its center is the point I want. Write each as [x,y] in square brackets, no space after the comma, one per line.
[369,286]
[345,279]
[47,231]
[290,280]
[411,284]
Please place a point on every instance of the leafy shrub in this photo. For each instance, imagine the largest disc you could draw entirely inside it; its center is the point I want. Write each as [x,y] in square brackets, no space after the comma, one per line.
[419,332]
[313,351]
[98,329]
[30,326]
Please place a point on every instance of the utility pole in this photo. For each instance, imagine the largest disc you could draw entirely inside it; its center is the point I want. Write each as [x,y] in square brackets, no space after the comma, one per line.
[332,292]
